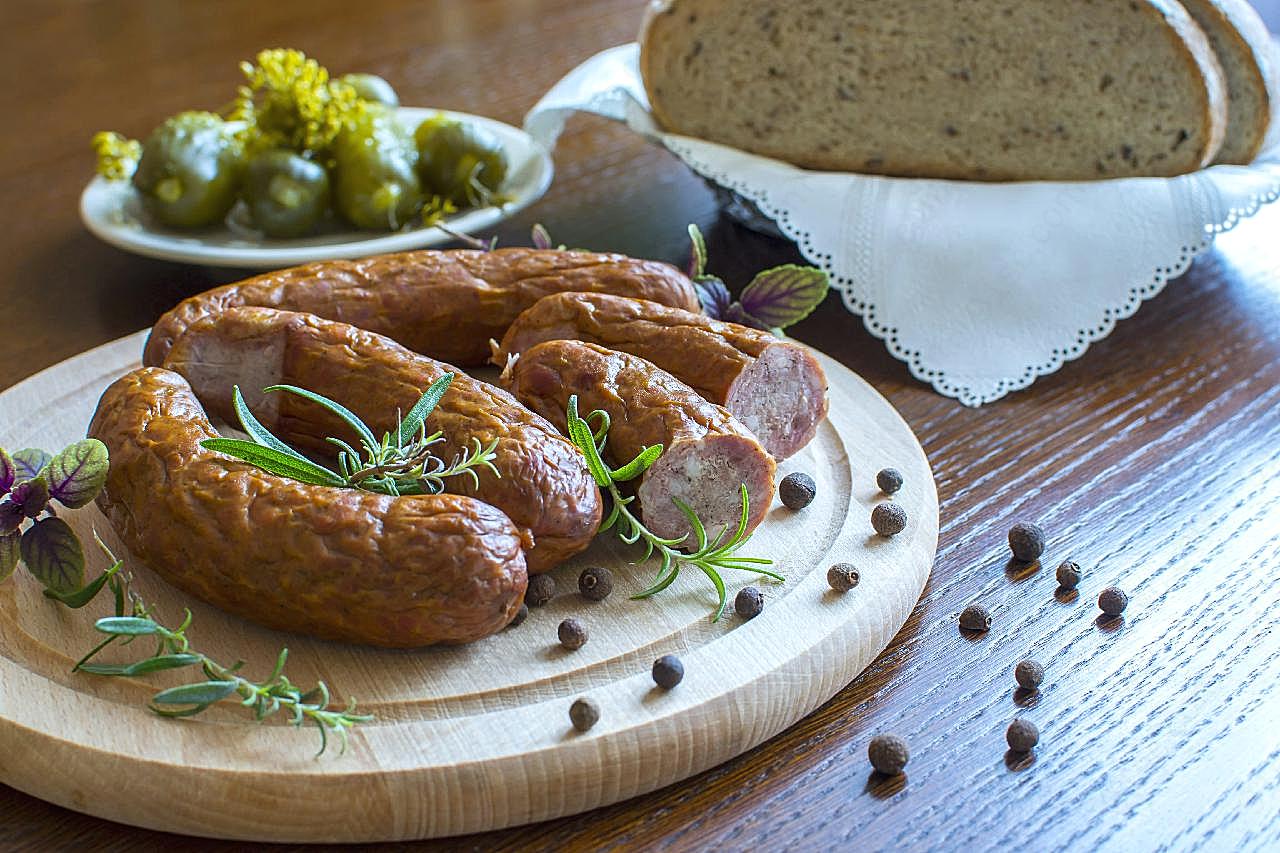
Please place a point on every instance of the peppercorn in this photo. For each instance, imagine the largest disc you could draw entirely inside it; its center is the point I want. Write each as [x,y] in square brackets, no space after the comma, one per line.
[975,618]
[1113,601]
[668,671]
[521,615]
[595,583]
[888,518]
[749,602]
[888,754]
[541,589]
[583,713]
[1022,735]
[1068,574]
[572,634]
[797,490]
[889,480]
[1026,541]
[842,577]
[1028,674]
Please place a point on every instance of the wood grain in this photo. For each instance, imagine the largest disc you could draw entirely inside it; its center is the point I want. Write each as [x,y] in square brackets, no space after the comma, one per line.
[1152,460]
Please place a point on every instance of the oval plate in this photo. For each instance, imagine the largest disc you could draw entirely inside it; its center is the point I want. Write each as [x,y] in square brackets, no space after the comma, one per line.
[112,211]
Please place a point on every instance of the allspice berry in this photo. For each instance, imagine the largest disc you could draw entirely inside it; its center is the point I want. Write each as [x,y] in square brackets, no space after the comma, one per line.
[749,602]
[541,589]
[975,618]
[1022,735]
[889,480]
[583,713]
[1026,541]
[595,583]
[888,519]
[572,634]
[1113,601]
[1068,574]
[888,754]
[797,490]
[842,577]
[1028,674]
[521,615]
[668,671]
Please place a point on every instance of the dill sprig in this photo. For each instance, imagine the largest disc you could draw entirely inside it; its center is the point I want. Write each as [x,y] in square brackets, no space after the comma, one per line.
[290,101]
[711,556]
[117,155]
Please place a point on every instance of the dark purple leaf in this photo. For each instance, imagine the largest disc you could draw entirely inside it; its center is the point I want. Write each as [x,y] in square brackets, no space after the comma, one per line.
[53,555]
[784,295]
[29,463]
[713,295]
[735,314]
[8,473]
[10,550]
[32,496]
[77,474]
[541,237]
[11,515]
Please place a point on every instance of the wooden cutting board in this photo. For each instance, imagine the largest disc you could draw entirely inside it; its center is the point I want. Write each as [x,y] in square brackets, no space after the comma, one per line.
[469,738]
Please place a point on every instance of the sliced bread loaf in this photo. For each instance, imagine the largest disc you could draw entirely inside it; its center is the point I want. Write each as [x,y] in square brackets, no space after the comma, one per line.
[1243,46]
[971,89]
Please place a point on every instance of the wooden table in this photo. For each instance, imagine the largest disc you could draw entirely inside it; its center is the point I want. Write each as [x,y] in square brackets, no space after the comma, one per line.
[1153,460]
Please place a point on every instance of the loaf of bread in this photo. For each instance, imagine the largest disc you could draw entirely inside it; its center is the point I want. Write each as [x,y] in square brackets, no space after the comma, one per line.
[989,90]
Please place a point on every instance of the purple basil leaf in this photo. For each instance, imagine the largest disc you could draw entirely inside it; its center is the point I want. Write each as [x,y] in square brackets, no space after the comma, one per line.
[8,473]
[77,474]
[735,314]
[541,237]
[697,253]
[10,550]
[784,295]
[713,295]
[32,496]
[11,516]
[29,463]
[53,555]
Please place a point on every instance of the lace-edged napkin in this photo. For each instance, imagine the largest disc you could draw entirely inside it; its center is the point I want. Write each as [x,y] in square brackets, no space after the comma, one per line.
[979,288]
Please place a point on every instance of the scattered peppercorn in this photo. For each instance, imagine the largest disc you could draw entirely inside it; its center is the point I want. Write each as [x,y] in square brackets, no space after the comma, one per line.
[1028,674]
[889,480]
[521,615]
[1068,574]
[584,714]
[595,583]
[797,490]
[572,634]
[888,518]
[1026,541]
[842,577]
[1022,735]
[749,602]
[975,618]
[1113,601]
[541,589]
[888,754]
[668,671]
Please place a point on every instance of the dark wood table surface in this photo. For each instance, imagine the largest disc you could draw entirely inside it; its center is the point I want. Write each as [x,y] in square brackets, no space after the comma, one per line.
[1153,461]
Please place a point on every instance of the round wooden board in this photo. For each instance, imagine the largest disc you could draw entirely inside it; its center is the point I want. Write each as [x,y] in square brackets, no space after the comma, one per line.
[469,738]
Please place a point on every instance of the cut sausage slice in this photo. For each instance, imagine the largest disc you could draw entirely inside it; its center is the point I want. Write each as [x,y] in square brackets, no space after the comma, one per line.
[775,387]
[445,304]
[544,485]
[336,563]
[707,453]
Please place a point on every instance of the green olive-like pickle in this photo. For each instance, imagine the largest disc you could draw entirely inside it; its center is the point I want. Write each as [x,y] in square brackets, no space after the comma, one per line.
[287,194]
[190,170]
[371,87]
[460,162]
[375,183]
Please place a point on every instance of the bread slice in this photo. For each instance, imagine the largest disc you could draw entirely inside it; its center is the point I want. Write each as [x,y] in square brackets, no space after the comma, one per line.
[972,89]
[1243,46]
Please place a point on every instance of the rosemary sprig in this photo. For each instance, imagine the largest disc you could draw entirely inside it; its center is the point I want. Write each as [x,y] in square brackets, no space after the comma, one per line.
[399,464]
[711,556]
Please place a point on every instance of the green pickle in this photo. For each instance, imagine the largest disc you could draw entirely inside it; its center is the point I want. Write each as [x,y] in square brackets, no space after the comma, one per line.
[190,170]
[371,87]
[375,182]
[286,193]
[459,162]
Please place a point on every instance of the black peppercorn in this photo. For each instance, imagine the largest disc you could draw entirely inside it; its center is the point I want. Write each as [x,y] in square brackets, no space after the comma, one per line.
[572,634]
[1028,674]
[521,615]
[888,519]
[596,583]
[749,602]
[889,480]
[584,714]
[1026,541]
[1022,735]
[668,671]
[1068,574]
[888,754]
[975,618]
[797,490]
[842,577]
[540,590]
[1113,601]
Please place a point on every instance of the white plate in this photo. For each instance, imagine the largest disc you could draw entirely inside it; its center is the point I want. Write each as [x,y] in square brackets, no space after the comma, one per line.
[113,212]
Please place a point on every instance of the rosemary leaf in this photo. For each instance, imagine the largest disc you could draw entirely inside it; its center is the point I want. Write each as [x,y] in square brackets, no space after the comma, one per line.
[425,406]
[275,462]
[336,408]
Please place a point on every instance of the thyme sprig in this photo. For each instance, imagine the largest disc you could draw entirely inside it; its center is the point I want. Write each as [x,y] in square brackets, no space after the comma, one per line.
[711,556]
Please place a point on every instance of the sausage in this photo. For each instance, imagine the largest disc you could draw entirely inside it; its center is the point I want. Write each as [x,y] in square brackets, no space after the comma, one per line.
[707,453]
[445,304]
[543,483]
[775,387]
[341,564]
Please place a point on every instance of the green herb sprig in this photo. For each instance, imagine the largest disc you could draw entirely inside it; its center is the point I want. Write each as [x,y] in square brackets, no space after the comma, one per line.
[402,463]
[711,556]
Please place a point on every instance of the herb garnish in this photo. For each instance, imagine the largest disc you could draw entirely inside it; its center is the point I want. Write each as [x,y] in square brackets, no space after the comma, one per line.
[399,464]
[711,556]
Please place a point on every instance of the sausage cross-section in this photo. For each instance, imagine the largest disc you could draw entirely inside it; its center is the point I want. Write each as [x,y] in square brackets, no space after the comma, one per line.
[336,563]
